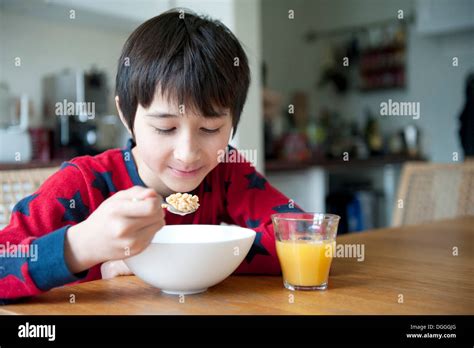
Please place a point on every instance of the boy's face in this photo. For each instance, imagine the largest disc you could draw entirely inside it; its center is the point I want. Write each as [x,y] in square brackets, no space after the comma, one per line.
[175,147]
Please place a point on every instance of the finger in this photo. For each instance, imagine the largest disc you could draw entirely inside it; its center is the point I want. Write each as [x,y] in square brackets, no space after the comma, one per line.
[137,193]
[149,193]
[148,232]
[137,241]
[128,193]
[137,223]
[139,208]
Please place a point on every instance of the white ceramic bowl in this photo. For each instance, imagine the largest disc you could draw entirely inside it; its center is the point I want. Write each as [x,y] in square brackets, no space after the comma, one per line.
[187,259]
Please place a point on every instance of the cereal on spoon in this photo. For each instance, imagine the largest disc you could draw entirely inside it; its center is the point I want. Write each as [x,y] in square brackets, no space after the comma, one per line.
[182,202]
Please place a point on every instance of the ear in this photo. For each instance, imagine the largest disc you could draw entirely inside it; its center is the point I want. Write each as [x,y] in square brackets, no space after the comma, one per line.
[117,104]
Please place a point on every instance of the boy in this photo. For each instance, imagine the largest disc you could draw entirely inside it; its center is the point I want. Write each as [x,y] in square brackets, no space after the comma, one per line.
[180,96]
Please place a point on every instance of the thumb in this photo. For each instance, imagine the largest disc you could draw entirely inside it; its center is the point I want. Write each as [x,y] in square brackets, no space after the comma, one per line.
[147,193]
[138,192]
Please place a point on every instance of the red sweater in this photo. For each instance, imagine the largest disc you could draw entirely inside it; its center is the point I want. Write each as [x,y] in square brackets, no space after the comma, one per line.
[32,245]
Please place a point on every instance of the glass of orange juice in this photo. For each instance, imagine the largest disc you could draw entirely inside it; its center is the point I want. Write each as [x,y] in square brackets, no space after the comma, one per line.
[305,244]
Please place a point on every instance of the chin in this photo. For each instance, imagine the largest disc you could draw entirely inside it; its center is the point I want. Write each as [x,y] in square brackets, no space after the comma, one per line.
[183,186]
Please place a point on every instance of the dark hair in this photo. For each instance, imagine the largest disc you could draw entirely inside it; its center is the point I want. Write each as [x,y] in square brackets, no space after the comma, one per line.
[193,59]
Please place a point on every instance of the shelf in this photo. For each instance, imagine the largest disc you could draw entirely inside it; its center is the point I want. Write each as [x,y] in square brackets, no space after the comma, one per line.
[282,165]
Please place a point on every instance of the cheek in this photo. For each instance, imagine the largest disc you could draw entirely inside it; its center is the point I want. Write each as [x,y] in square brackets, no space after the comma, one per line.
[154,159]
[216,146]
[152,148]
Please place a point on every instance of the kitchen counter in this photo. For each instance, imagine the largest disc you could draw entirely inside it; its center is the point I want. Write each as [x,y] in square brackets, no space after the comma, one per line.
[285,165]
[406,270]
[309,183]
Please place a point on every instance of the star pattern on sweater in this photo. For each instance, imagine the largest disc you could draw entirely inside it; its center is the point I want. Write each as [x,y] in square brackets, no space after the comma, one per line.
[256,249]
[23,206]
[252,223]
[11,266]
[64,165]
[75,209]
[207,186]
[103,182]
[226,185]
[256,181]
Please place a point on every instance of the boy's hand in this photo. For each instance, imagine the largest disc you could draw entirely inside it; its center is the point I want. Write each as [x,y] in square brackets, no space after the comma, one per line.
[112,269]
[122,226]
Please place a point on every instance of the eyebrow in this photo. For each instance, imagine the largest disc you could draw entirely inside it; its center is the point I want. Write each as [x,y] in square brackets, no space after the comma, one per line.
[161,114]
[170,115]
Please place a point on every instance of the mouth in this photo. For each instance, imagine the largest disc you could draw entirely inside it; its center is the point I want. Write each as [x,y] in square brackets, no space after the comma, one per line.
[185,173]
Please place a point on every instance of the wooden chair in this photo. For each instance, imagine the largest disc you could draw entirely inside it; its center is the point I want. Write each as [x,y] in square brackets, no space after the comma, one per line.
[430,192]
[17,184]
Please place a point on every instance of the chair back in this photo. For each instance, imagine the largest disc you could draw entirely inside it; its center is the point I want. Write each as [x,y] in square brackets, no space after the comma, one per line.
[433,191]
[17,184]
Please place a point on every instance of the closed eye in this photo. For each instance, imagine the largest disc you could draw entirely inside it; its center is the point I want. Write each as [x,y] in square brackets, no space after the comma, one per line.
[171,130]
[210,131]
[164,131]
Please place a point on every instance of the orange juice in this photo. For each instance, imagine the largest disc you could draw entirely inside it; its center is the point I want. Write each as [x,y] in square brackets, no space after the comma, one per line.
[305,263]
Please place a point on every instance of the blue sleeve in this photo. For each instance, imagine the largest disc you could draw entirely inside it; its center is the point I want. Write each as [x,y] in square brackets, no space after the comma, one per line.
[49,268]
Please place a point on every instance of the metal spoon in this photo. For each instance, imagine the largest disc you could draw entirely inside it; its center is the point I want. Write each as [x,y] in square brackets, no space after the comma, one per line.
[173,210]
[169,207]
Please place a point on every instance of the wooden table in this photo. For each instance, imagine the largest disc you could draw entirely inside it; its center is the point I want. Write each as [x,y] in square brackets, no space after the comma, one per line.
[407,270]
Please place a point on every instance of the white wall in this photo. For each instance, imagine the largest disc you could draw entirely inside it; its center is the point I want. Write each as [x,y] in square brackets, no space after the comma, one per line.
[248,29]
[432,80]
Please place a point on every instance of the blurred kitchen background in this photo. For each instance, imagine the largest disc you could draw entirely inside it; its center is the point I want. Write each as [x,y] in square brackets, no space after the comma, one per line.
[321,71]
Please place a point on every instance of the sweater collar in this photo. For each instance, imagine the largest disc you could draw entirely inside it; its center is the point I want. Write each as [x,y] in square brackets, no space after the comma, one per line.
[130,163]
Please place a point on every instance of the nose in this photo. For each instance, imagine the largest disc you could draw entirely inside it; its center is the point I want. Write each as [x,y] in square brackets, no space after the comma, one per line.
[187,149]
